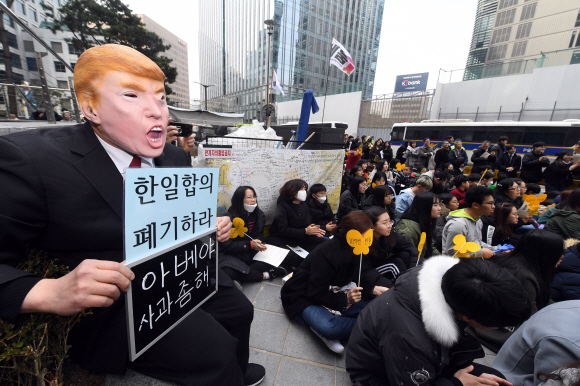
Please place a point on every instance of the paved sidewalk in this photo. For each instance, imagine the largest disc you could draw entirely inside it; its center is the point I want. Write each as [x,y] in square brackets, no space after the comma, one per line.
[291,353]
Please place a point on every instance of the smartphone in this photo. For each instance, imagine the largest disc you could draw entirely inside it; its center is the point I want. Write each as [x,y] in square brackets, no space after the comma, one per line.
[183,129]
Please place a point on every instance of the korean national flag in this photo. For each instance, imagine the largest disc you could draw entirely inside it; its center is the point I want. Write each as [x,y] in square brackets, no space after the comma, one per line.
[276,85]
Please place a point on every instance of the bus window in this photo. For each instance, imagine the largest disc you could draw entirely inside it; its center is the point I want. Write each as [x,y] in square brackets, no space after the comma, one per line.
[466,135]
[414,134]
[436,136]
[456,134]
[554,139]
[397,134]
[531,137]
[479,136]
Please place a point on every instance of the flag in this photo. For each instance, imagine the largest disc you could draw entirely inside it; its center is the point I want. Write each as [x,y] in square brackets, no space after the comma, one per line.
[340,57]
[276,85]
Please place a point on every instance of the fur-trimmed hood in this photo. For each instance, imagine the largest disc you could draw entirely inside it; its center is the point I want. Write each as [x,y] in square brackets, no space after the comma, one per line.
[438,318]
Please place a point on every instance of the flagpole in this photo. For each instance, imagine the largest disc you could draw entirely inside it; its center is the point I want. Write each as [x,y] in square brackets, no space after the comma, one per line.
[326,82]
[269,98]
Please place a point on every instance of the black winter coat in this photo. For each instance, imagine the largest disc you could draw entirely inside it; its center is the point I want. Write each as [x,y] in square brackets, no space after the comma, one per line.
[330,264]
[441,157]
[558,172]
[532,167]
[566,283]
[400,152]
[490,235]
[383,253]
[320,214]
[456,160]
[481,163]
[505,162]
[388,153]
[290,222]
[390,346]
[348,203]
[369,203]
[238,253]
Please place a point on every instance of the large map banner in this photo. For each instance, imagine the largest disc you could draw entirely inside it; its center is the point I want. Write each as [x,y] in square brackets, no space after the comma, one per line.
[266,170]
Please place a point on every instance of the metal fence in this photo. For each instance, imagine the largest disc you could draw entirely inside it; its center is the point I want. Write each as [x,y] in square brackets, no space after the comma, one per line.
[558,111]
[231,142]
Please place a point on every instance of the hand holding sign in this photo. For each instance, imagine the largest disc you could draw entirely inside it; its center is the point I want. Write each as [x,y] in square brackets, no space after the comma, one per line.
[360,244]
[463,247]
[238,228]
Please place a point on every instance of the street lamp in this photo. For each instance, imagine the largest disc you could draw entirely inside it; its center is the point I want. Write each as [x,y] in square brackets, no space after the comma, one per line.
[270,25]
[205,86]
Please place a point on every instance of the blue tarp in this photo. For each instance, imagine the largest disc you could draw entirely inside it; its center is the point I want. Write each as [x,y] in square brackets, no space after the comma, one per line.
[308,102]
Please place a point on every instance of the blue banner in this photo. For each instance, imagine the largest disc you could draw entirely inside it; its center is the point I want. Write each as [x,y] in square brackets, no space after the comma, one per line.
[411,82]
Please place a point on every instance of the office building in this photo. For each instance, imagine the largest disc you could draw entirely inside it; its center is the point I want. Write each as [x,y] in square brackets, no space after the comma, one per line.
[516,36]
[234,41]
[177,52]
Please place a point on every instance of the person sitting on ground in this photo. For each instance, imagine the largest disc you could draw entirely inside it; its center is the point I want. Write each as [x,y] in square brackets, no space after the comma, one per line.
[421,169]
[473,179]
[479,202]
[552,208]
[383,166]
[461,185]
[442,155]
[292,224]
[483,158]
[235,255]
[533,163]
[405,199]
[487,179]
[448,204]
[559,175]
[320,210]
[508,190]
[325,290]
[405,179]
[352,198]
[498,229]
[564,222]
[378,179]
[391,253]
[566,283]
[382,197]
[357,170]
[541,346]
[509,163]
[458,157]
[440,180]
[364,163]
[533,263]
[413,334]
[421,217]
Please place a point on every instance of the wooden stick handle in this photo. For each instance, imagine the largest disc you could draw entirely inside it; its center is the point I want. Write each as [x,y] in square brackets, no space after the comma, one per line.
[311,135]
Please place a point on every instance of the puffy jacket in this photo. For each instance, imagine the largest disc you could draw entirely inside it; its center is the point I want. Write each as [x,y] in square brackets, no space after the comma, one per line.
[566,282]
[490,236]
[320,214]
[481,163]
[409,336]
[388,153]
[412,231]
[558,172]
[381,251]
[290,221]
[532,167]
[458,159]
[348,203]
[441,157]
[459,222]
[546,214]
[564,223]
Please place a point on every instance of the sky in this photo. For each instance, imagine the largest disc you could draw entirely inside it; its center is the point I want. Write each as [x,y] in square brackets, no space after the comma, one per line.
[417,36]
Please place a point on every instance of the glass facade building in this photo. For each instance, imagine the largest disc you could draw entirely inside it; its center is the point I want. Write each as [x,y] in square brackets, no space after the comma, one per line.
[234,44]
[484,22]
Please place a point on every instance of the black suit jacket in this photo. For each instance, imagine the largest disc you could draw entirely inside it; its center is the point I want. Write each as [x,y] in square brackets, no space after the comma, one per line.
[504,162]
[61,192]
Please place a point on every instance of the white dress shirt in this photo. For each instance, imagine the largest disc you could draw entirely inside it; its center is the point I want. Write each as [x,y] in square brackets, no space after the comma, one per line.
[122,159]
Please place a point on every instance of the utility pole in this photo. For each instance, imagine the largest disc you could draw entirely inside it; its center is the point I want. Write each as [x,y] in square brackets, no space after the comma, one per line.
[270,26]
[205,86]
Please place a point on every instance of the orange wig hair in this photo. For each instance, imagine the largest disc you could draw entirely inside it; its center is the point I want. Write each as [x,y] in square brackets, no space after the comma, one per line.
[96,62]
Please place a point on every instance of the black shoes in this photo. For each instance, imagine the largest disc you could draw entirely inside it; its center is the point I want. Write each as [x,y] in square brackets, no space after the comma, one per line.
[277,272]
[255,374]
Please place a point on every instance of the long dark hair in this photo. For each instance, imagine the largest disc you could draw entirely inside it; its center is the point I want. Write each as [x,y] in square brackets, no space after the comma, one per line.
[500,215]
[381,164]
[540,250]
[355,220]
[354,183]
[573,201]
[374,213]
[237,208]
[378,175]
[563,198]
[355,169]
[291,188]
[504,186]
[379,194]
[420,212]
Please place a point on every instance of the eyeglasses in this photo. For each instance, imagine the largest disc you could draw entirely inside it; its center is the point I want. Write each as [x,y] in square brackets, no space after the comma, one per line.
[492,203]
[518,188]
[390,224]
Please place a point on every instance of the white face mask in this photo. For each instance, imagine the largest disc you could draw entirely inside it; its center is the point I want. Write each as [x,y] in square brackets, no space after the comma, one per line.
[322,200]
[250,208]
[489,183]
[301,195]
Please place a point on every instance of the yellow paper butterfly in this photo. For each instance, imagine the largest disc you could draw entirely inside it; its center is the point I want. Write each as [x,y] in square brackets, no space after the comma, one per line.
[238,228]
[400,166]
[463,247]
[359,242]
[422,243]
[368,182]
[533,200]
[374,185]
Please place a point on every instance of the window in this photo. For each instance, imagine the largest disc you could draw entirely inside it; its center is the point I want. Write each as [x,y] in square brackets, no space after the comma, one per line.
[32,14]
[578,42]
[507,3]
[577,20]
[572,39]
[16,61]
[31,64]
[28,46]
[519,49]
[514,67]
[57,47]
[528,11]
[8,21]
[575,57]
[524,31]
[501,35]
[497,53]
[62,84]
[20,7]
[73,50]
[12,42]
[59,67]
[506,17]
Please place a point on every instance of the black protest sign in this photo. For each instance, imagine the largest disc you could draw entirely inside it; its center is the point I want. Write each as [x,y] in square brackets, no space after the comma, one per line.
[168,286]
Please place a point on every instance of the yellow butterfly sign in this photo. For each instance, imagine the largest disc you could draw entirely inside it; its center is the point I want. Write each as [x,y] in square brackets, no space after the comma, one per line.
[400,166]
[422,243]
[463,247]
[238,228]
[359,242]
[533,200]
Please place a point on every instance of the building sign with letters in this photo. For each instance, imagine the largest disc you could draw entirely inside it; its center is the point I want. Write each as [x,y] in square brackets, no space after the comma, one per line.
[170,244]
[412,82]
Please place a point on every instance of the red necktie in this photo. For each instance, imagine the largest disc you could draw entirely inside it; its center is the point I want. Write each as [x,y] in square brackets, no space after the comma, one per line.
[135,162]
